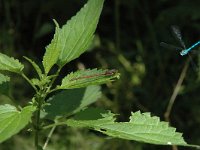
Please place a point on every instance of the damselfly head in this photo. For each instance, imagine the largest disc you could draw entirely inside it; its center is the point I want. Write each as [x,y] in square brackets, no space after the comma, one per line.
[183,52]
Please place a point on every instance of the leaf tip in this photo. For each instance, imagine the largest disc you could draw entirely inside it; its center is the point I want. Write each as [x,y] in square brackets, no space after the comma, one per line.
[56,23]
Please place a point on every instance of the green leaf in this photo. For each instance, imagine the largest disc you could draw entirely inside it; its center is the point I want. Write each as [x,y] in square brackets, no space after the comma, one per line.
[52,50]
[142,127]
[4,84]
[4,78]
[43,81]
[12,120]
[75,37]
[69,102]
[36,67]
[10,64]
[92,118]
[83,78]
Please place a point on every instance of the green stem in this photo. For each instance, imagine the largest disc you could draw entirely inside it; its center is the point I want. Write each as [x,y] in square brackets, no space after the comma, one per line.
[40,97]
[29,81]
[37,124]
[48,138]
[53,90]
[53,125]
[53,80]
[42,93]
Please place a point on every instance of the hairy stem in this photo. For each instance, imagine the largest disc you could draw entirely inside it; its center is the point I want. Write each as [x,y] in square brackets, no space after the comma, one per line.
[29,81]
[53,80]
[40,97]
[37,122]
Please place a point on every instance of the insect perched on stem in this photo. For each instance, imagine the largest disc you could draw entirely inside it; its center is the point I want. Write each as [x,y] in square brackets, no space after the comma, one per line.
[106,73]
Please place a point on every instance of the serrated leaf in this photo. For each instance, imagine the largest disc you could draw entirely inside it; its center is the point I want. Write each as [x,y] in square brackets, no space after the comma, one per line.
[36,82]
[43,81]
[10,64]
[142,127]
[92,118]
[75,37]
[36,67]
[69,102]
[4,84]
[4,78]
[52,50]
[12,120]
[83,78]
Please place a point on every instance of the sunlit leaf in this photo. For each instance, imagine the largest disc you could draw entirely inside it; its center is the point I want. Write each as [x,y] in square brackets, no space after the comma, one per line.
[4,78]
[52,51]
[12,120]
[75,37]
[141,127]
[4,84]
[36,67]
[10,64]
[83,78]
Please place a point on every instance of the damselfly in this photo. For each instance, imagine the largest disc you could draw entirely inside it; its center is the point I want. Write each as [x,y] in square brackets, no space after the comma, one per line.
[177,35]
[106,73]
[183,50]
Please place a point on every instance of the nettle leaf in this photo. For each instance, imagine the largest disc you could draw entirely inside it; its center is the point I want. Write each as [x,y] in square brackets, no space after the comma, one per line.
[92,118]
[36,67]
[75,37]
[52,50]
[4,78]
[4,84]
[142,127]
[10,64]
[83,78]
[71,101]
[12,120]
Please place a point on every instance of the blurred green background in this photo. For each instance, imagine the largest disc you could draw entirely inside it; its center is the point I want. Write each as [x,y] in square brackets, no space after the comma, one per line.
[127,39]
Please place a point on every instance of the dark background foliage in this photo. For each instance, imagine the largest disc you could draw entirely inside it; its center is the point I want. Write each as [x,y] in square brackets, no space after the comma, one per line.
[127,38]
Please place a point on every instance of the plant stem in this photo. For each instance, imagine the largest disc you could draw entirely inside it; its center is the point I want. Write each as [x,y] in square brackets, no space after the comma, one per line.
[53,80]
[49,136]
[176,90]
[29,81]
[40,97]
[37,122]
[53,90]
[39,100]
[55,124]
